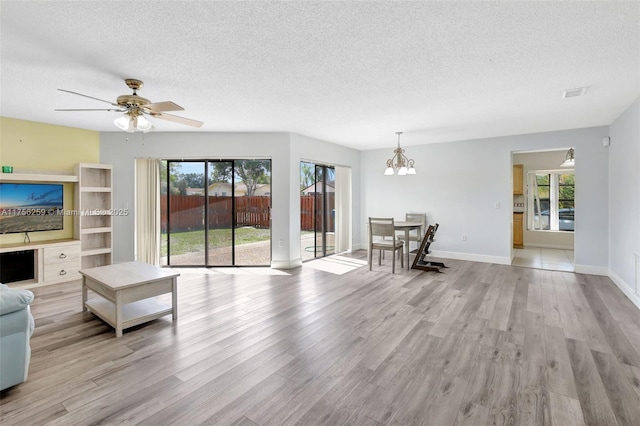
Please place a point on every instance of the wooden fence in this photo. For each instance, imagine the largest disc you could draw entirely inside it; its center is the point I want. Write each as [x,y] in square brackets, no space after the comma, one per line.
[187,212]
[308,203]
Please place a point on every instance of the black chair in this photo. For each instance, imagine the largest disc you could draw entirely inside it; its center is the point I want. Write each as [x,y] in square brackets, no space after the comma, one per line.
[419,262]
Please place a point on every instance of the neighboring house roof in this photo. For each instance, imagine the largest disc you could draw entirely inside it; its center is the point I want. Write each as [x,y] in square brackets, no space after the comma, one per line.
[240,188]
[195,191]
[316,188]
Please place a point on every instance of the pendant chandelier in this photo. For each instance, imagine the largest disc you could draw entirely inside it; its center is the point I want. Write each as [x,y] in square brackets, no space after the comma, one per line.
[569,160]
[400,161]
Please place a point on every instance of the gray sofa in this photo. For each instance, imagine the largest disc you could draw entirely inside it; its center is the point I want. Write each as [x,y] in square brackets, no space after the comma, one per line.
[16,328]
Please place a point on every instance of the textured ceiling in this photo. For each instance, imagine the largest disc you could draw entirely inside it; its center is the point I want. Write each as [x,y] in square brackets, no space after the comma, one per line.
[352,73]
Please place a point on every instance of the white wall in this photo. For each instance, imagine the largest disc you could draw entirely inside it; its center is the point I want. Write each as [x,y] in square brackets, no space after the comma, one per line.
[624,201]
[120,150]
[546,160]
[459,183]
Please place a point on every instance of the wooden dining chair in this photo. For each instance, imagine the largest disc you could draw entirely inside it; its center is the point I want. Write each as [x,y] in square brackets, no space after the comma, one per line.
[382,237]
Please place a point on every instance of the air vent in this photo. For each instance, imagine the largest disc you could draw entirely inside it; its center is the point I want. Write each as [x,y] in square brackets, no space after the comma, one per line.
[572,93]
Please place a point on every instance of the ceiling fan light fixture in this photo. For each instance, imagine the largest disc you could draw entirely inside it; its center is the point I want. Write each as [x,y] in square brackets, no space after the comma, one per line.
[143,124]
[132,122]
[134,106]
[123,123]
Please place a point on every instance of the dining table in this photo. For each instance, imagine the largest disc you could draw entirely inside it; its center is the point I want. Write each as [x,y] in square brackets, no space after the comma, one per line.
[407,226]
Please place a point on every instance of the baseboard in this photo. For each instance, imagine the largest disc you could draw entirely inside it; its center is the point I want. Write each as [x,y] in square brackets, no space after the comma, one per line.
[549,246]
[625,288]
[286,264]
[360,247]
[591,270]
[472,257]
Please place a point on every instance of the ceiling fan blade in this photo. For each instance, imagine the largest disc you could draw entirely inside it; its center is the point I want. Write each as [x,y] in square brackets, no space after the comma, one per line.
[87,96]
[162,106]
[92,109]
[175,118]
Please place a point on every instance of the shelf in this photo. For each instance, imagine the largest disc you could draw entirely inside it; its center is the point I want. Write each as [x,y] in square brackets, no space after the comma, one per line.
[93,252]
[96,230]
[94,194]
[95,189]
[36,177]
[36,245]
[133,314]
[95,166]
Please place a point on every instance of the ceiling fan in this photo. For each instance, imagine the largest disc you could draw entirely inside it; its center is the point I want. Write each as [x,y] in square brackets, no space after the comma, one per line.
[136,107]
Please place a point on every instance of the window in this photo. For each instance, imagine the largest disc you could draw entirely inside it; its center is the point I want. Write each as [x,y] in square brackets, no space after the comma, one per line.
[551,204]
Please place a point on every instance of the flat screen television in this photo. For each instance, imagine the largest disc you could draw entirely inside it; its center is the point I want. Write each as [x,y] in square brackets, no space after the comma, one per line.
[30,207]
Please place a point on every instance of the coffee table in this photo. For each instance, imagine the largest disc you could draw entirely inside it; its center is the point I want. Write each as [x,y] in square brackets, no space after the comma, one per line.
[128,293]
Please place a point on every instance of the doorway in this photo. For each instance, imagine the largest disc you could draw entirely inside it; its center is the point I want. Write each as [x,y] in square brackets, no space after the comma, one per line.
[543,210]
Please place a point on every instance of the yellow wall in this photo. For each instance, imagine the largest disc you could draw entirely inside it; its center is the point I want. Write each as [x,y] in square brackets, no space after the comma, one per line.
[29,146]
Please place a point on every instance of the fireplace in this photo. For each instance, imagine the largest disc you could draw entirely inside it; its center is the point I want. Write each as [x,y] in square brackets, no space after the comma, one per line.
[17,266]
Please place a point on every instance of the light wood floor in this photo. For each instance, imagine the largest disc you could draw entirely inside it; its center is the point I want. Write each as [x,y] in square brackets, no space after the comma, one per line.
[544,258]
[480,344]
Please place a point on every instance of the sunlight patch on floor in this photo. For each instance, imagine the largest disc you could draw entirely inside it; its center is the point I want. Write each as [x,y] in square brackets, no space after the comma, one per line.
[337,265]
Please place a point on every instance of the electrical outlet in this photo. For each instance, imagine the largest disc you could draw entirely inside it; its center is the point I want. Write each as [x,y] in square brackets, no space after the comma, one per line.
[281,242]
[464,237]
[497,204]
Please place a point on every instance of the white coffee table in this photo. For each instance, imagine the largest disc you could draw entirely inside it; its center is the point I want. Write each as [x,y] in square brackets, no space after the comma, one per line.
[128,293]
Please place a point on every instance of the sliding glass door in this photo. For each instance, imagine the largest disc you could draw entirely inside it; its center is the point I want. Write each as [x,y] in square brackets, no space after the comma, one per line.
[220,189]
[252,212]
[216,213]
[317,208]
[184,207]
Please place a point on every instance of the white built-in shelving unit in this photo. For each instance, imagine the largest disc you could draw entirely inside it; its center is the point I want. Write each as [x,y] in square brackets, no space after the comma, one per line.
[94,220]
[53,260]
[91,246]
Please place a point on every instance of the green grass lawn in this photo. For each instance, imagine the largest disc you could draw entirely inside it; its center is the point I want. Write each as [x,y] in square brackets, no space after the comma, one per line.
[193,241]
